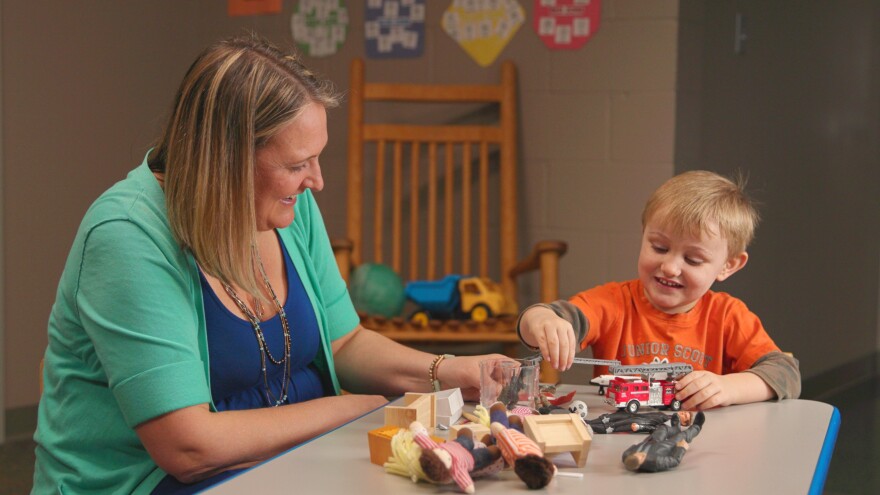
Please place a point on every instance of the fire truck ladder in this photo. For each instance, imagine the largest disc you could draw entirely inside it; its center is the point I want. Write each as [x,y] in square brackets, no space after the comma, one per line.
[674,369]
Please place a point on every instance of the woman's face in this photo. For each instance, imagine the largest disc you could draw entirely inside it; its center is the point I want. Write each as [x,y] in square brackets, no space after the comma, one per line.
[288,165]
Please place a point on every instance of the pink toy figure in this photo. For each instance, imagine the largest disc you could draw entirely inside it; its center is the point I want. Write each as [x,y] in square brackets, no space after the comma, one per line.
[524,455]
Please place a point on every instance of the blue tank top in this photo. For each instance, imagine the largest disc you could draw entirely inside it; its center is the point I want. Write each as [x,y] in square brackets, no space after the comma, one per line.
[236,375]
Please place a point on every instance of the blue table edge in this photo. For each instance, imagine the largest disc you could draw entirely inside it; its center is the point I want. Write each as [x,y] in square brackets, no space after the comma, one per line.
[821,473]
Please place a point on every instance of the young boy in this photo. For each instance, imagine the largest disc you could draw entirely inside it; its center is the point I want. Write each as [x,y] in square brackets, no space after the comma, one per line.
[695,230]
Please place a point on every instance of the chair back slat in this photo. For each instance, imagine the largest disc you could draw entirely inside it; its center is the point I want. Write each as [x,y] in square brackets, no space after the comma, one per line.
[444,200]
[484,209]
[448,209]
[397,208]
[444,194]
[414,212]
[431,262]
[466,208]
[379,203]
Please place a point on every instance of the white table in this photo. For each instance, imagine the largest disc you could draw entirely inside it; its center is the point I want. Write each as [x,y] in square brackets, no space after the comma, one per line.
[771,447]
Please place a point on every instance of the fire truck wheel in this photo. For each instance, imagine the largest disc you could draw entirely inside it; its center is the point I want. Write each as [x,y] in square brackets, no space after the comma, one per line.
[633,406]
[675,405]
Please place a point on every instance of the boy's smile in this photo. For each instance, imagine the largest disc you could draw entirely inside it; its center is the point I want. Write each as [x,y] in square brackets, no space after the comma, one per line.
[676,269]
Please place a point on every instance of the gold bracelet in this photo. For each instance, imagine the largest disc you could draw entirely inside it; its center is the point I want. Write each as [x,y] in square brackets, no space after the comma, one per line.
[432,371]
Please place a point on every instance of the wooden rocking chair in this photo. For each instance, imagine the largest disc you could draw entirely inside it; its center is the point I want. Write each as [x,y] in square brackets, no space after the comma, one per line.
[433,185]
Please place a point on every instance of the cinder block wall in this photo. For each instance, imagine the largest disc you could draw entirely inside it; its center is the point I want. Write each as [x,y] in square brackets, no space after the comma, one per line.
[86,88]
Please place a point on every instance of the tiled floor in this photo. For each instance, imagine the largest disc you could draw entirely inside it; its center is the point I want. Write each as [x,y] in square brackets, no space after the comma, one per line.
[854,464]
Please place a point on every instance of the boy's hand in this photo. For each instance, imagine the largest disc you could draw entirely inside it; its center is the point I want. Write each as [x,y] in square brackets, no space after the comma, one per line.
[552,335]
[700,390]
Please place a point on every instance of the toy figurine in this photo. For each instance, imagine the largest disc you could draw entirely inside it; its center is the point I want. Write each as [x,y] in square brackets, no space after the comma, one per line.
[404,459]
[479,416]
[518,450]
[419,457]
[524,455]
[664,448]
[498,414]
[509,394]
[625,421]
[487,458]
[458,460]
[547,403]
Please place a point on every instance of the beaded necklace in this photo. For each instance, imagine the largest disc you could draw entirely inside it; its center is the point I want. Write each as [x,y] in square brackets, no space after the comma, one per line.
[261,339]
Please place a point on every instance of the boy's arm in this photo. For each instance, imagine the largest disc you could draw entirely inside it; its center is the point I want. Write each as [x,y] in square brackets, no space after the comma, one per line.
[780,372]
[774,374]
[565,310]
[555,329]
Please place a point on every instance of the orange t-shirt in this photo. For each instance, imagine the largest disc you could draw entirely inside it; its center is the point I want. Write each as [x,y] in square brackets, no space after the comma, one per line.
[719,334]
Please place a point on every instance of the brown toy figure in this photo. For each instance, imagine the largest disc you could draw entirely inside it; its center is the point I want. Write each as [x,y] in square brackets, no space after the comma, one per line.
[524,455]
[664,448]
[640,422]
[458,460]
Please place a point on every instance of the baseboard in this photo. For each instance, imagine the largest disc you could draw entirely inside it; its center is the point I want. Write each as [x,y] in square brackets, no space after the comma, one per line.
[21,422]
[845,376]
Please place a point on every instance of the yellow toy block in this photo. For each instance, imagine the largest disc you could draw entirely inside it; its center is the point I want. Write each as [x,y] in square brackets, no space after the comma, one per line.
[417,407]
[380,443]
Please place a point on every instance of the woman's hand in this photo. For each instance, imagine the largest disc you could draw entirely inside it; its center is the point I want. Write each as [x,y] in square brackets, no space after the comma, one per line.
[463,372]
[553,336]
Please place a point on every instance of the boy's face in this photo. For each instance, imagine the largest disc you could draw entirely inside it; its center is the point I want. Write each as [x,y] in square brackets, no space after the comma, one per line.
[677,269]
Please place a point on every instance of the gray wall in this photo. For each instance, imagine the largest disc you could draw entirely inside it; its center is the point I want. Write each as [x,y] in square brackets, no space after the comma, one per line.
[85,87]
[800,111]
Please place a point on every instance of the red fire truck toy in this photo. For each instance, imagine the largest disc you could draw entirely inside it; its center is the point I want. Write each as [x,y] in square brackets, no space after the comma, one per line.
[633,392]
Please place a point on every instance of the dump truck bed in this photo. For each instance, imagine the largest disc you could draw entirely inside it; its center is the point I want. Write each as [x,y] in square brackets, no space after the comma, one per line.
[435,296]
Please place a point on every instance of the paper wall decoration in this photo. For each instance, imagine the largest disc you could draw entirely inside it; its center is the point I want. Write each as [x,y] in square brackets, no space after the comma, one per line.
[319,26]
[483,27]
[253,7]
[566,24]
[394,28]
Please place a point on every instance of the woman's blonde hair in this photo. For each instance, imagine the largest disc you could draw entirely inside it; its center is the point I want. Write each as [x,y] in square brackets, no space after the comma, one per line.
[235,97]
[688,203]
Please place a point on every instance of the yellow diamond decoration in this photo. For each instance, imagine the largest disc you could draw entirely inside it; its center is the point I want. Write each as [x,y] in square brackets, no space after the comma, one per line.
[483,27]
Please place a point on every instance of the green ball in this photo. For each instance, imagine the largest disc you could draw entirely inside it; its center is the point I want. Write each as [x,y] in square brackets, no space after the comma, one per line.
[377,290]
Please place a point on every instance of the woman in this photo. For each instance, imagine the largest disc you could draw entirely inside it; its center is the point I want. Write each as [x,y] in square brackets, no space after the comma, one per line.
[201,325]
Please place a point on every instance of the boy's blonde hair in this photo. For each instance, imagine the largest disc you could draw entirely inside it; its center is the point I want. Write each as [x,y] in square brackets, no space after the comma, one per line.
[689,202]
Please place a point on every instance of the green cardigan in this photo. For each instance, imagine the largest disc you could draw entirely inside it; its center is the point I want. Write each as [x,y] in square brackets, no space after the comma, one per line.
[127,340]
